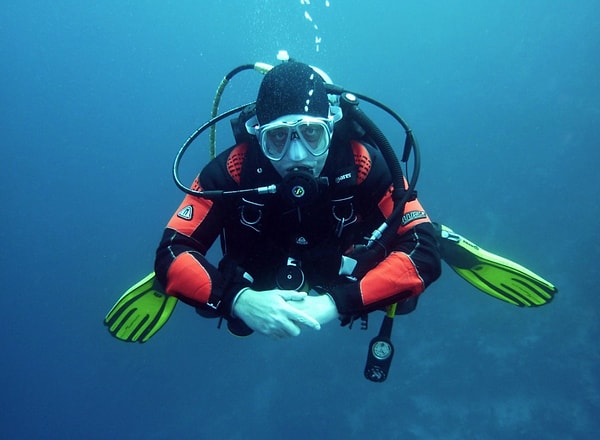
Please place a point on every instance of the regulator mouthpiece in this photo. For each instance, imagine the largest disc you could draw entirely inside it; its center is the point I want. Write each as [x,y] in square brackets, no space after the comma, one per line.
[300,187]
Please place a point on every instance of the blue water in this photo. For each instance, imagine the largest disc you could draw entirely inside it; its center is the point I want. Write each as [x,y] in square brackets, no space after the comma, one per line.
[97,97]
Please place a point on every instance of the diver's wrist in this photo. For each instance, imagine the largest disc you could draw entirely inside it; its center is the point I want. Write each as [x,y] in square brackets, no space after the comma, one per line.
[235,300]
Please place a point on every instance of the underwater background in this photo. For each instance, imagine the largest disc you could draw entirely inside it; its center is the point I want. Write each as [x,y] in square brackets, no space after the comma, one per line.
[98,96]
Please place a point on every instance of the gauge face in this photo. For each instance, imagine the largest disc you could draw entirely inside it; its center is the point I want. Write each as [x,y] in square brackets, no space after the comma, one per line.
[381,350]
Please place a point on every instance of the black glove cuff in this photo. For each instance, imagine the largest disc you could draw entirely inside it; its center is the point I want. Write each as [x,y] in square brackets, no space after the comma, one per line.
[347,298]
[234,280]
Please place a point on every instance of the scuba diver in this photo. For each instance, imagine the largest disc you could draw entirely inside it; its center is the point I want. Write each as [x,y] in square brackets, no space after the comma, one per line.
[309,235]
[316,223]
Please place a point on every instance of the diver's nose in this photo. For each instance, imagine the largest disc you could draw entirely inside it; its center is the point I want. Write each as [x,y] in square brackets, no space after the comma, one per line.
[297,151]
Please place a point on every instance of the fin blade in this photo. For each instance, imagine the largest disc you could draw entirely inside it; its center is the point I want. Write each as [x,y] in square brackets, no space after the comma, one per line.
[140,312]
[495,275]
[129,296]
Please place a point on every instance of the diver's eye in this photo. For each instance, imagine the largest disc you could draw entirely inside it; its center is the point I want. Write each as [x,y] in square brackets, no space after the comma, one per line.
[312,132]
[278,135]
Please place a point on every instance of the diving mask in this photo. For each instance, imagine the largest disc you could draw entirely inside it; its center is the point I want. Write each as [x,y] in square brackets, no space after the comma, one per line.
[313,133]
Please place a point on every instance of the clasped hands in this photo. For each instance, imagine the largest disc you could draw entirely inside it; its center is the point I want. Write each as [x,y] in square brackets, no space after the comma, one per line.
[280,313]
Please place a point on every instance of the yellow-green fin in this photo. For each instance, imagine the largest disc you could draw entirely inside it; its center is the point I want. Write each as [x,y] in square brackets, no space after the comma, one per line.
[495,275]
[142,310]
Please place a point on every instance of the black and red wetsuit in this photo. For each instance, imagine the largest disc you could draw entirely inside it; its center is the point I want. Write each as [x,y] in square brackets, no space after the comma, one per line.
[260,232]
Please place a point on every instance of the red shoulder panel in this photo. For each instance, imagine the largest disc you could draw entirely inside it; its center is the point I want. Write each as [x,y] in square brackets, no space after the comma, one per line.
[235,161]
[362,159]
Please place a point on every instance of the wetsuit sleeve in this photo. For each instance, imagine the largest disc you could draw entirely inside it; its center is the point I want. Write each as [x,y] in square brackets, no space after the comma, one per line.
[410,264]
[180,264]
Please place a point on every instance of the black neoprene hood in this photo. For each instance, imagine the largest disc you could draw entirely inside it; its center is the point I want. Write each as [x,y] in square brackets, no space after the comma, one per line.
[291,88]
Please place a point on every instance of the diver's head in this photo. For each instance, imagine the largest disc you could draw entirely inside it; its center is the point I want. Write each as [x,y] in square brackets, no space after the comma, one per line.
[294,120]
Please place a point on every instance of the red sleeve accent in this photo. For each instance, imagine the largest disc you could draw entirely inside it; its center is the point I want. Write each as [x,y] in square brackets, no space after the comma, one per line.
[396,274]
[193,210]
[186,277]
[191,213]
[414,213]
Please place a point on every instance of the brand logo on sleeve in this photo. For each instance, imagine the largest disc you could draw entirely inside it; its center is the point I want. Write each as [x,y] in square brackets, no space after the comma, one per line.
[186,213]
[412,216]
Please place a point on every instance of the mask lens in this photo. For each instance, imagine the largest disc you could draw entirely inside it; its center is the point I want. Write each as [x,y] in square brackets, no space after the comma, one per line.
[315,137]
[275,141]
